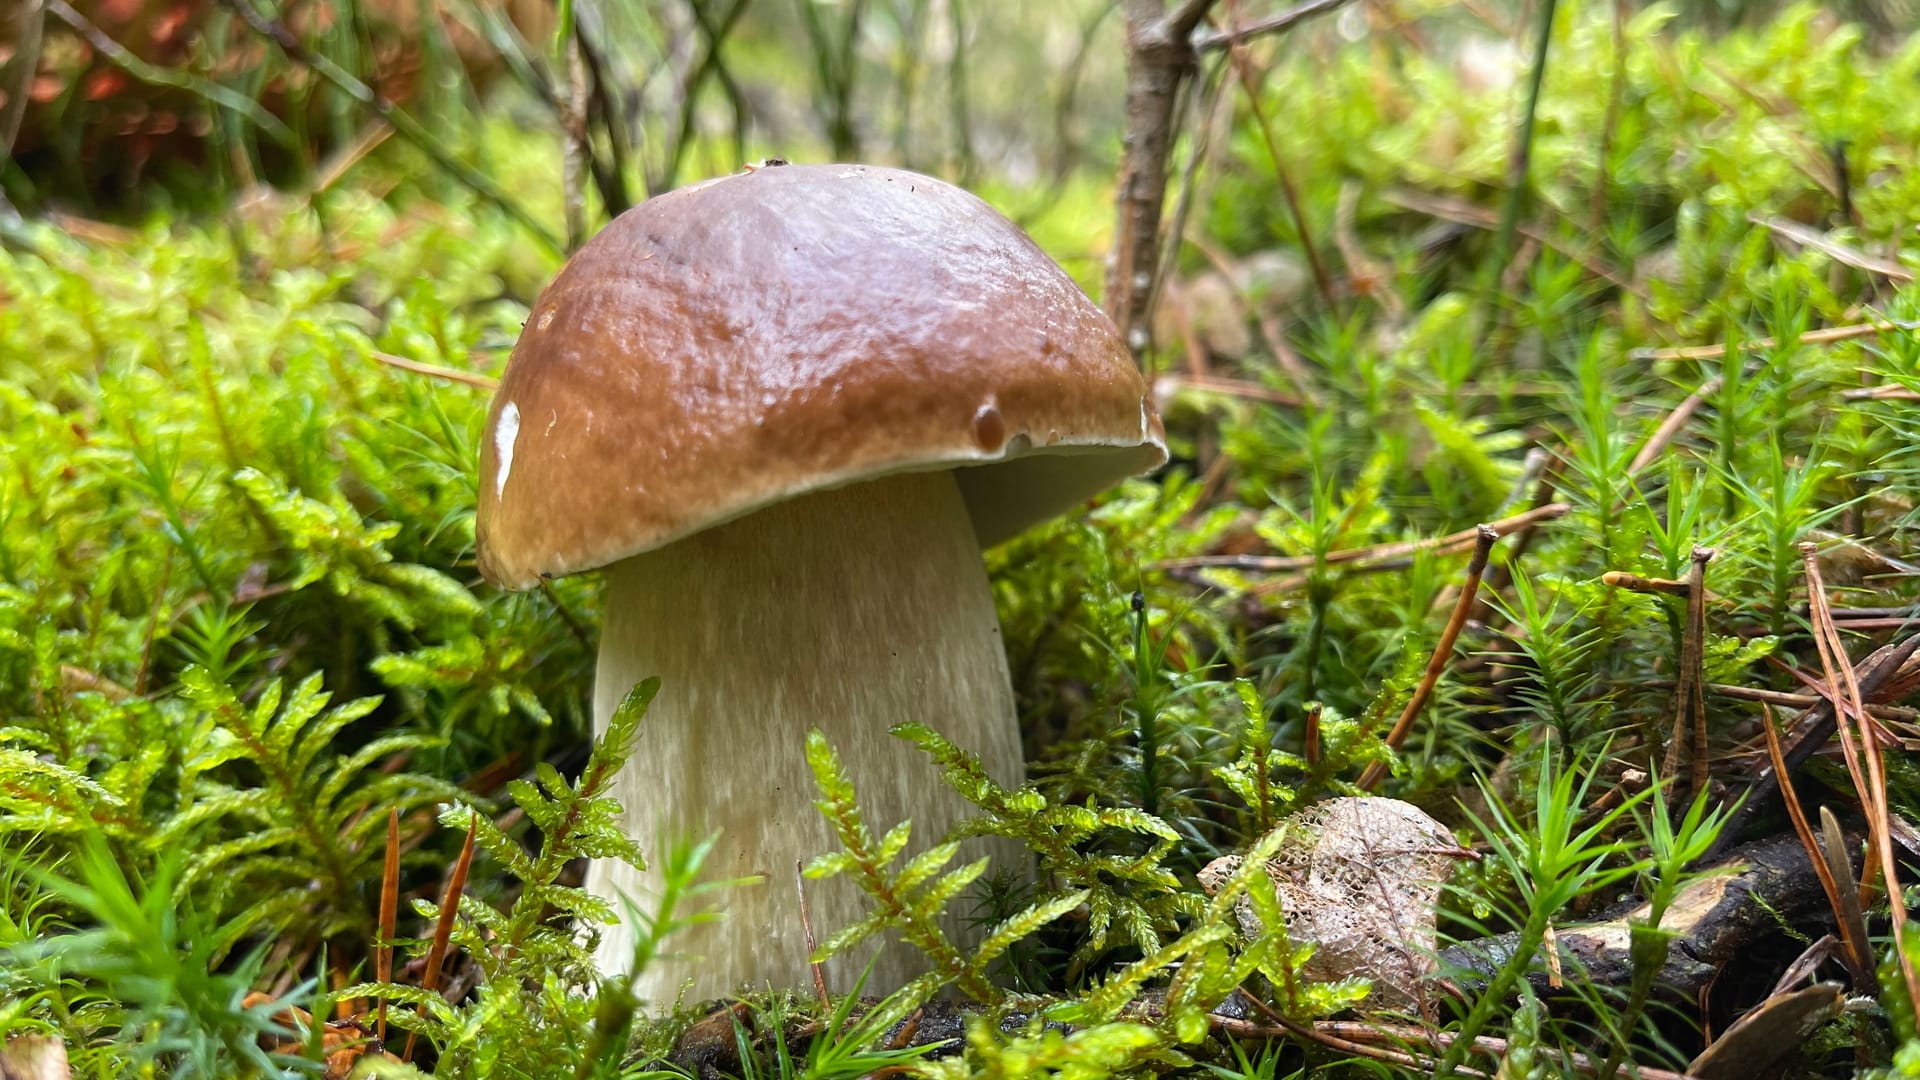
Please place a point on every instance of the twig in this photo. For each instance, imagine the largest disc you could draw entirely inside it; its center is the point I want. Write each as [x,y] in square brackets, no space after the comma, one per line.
[711,65]
[1165,386]
[1160,60]
[1243,69]
[1689,700]
[419,367]
[25,62]
[1374,554]
[1671,427]
[1247,1029]
[174,77]
[806,929]
[1621,579]
[1520,158]
[443,926]
[1873,788]
[403,122]
[1203,108]
[1832,249]
[1279,22]
[1800,701]
[609,177]
[1881,669]
[1465,213]
[1442,652]
[576,151]
[1483,1044]
[574,626]
[1821,336]
[1880,393]
[389,916]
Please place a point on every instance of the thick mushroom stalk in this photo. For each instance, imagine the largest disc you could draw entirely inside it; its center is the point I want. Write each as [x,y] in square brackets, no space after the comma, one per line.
[848,610]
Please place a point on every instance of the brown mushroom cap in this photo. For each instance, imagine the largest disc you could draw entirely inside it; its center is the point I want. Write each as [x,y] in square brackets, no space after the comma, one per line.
[752,338]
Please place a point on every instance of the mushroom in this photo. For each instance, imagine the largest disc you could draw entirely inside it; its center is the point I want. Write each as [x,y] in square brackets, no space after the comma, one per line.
[785,410]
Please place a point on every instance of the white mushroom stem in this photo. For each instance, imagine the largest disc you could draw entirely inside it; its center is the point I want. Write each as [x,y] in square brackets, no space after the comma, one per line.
[847,610]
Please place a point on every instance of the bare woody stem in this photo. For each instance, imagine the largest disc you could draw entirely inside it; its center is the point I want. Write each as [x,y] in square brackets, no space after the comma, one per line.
[1462,608]
[1160,59]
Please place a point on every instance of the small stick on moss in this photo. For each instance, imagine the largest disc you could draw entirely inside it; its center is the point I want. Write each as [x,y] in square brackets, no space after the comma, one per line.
[443,926]
[1621,579]
[1882,675]
[1243,70]
[468,378]
[1284,1025]
[1374,554]
[1279,22]
[904,1037]
[1469,591]
[1689,738]
[1872,788]
[806,928]
[403,122]
[389,916]
[1832,249]
[1796,701]
[178,78]
[1401,1034]
[1822,336]
[1851,952]
[1166,385]
[1880,393]
[1672,426]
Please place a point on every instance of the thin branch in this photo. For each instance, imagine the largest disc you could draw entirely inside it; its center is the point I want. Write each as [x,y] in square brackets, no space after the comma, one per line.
[403,122]
[1873,789]
[711,65]
[1165,386]
[174,77]
[443,926]
[389,912]
[468,378]
[1880,673]
[1373,554]
[575,149]
[1832,249]
[1789,700]
[1821,336]
[1188,16]
[1277,23]
[1462,212]
[1689,699]
[1520,159]
[1243,68]
[1442,652]
[25,62]
[1672,426]
[1159,63]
